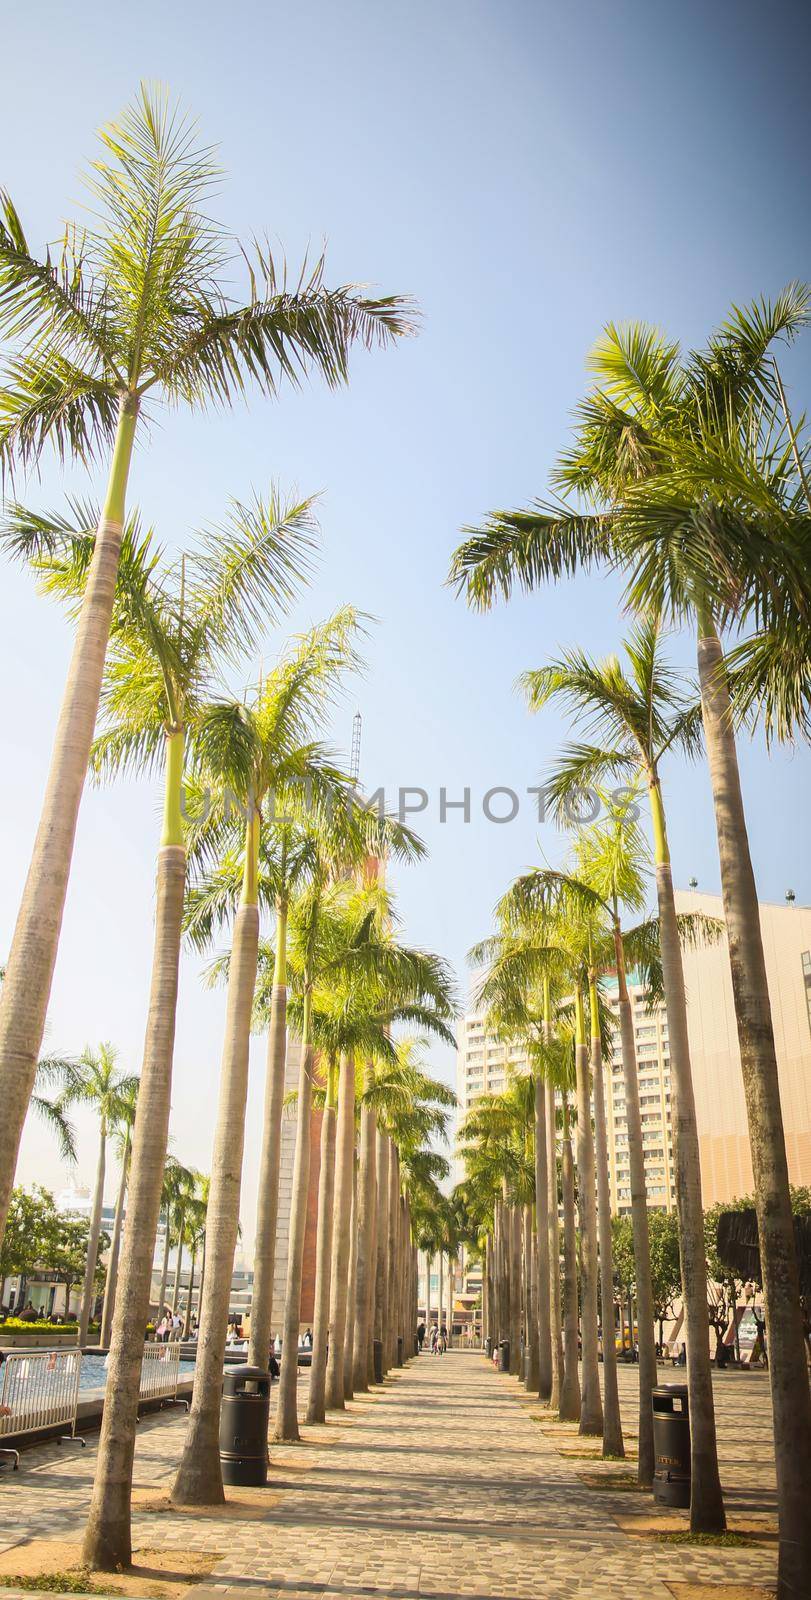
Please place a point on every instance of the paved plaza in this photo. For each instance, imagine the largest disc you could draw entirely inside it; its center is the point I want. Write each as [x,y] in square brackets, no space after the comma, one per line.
[449,1483]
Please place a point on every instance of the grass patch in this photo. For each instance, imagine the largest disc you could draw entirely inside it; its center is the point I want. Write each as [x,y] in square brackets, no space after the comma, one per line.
[612,1483]
[77,1581]
[727,1541]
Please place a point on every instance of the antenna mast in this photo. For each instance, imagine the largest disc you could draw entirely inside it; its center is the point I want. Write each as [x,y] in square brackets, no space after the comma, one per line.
[354,763]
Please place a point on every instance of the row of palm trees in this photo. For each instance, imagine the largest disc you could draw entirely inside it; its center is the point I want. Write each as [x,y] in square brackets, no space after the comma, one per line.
[688,476]
[260,819]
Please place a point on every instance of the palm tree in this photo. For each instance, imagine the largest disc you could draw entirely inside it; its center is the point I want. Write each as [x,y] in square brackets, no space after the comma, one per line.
[353,1014]
[133,312]
[340,1276]
[632,719]
[96,1081]
[196,1235]
[253,752]
[658,457]
[175,1178]
[516,1011]
[175,628]
[539,904]
[124,1131]
[340,938]
[410,1108]
[184,1200]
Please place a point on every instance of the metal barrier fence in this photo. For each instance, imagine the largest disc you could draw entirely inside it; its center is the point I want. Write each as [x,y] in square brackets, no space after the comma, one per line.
[40,1389]
[160,1371]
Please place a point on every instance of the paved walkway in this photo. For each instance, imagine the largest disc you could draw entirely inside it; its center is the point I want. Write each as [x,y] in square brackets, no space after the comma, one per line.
[440,1486]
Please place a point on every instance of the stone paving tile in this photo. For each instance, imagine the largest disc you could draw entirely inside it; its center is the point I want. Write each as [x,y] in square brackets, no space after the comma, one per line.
[440,1486]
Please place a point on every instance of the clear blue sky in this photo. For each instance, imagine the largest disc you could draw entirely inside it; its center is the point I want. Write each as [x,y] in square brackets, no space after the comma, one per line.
[526,171]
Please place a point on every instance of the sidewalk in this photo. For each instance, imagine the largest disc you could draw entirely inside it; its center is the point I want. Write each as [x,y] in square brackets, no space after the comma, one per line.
[441,1486]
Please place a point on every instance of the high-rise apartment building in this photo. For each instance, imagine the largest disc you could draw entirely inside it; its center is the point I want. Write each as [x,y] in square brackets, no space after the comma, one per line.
[483,1063]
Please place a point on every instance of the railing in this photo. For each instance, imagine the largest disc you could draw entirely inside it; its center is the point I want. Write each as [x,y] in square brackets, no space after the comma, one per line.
[40,1389]
[160,1371]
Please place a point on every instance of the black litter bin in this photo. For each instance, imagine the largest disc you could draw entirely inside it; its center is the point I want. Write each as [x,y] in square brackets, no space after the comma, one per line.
[244,1418]
[400,1351]
[416,1344]
[671,1445]
[377,1359]
[503,1355]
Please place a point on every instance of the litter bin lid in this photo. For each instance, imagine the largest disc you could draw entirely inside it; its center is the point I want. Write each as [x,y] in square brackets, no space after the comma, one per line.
[672,1391]
[235,1378]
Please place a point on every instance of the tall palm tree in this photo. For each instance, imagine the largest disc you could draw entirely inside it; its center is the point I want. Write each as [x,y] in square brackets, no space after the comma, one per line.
[133,312]
[353,1013]
[340,938]
[253,752]
[184,1201]
[196,1214]
[411,1109]
[124,1132]
[517,1011]
[540,903]
[97,1082]
[657,456]
[175,629]
[175,1178]
[632,719]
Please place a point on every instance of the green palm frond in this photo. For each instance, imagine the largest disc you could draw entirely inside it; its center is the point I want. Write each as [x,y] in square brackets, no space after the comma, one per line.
[523,549]
[245,572]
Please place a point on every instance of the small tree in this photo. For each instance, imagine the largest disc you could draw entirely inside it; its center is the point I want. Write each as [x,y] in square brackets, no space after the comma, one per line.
[29,1233]
[665,1268]
[68,1254]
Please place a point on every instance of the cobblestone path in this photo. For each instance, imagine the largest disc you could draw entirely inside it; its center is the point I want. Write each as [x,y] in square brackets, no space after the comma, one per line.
[441,1486]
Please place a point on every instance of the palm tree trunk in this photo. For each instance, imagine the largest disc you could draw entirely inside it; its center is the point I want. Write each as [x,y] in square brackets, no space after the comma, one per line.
[503,1269]
[515,1290]
[441,1293]
[532,1378]
[287,1410]
[107,1541]
[199,1479]
[341,1239]
[542,1246]
[639,1222]
[363,1264]
[706,1499]
[316,1404]
[351,1288]
[372,1259]
[115,1250]
[613,1444]
[202,1275]
[181,1228]
[89,1290]
[570,1391]
[382,1311]
[267,1201]
[553,1232]
[788,1369]
[392,1215]
[165,1267]
[488,1309]
[31,961]
[591,1411]
[187,1317]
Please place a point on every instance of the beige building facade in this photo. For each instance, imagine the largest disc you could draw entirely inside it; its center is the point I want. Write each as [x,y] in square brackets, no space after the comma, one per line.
[726,1163]
[484,1064]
